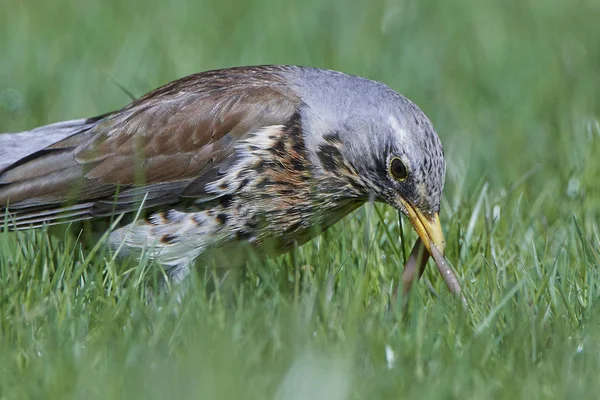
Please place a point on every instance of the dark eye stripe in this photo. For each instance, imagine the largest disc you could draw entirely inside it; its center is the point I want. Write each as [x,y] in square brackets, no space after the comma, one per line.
[398,169]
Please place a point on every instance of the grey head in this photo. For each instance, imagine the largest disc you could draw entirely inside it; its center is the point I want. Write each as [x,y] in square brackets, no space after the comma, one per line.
[375,125]
[386,138]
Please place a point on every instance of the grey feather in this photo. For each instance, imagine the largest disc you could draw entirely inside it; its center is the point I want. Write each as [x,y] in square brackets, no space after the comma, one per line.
[15,146]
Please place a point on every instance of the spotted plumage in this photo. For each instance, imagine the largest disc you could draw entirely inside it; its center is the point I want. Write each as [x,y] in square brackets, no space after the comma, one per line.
[264,156]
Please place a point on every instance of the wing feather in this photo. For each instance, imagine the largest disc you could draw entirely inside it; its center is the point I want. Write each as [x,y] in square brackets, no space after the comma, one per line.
[160,146]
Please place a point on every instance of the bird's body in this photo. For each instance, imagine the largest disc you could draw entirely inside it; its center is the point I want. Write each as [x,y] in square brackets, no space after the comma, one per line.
[268,156]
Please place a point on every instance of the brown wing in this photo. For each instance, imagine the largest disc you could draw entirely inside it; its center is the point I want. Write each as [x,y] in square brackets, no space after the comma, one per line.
[157,147]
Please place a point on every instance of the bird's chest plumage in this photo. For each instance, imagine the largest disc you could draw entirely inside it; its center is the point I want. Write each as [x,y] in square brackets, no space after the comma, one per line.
[268,195]
[271,196]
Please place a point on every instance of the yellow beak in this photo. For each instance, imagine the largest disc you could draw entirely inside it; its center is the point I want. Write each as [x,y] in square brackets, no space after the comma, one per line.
[428,227]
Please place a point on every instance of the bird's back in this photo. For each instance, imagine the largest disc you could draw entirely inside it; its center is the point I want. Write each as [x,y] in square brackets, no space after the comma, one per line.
[158,147]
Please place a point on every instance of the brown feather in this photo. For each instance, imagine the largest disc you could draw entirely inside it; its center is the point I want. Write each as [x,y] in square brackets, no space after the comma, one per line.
[161,142]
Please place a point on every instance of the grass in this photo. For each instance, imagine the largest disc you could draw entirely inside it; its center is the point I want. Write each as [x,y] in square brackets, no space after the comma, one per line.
[512,88]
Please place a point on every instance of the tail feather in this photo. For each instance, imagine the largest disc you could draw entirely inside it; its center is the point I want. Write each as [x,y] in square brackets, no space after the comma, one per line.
[15,146]
[53,217]
[31,171]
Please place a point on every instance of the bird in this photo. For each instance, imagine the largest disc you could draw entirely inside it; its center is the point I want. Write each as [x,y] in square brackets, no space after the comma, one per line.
[261,156]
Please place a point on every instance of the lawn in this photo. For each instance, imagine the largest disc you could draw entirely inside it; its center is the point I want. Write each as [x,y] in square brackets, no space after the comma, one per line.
[511,86]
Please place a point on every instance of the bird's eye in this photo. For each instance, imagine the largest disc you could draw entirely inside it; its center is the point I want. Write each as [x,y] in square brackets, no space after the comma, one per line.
[398,169]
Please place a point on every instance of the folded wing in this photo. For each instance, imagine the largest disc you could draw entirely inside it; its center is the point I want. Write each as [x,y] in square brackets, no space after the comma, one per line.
[154,149]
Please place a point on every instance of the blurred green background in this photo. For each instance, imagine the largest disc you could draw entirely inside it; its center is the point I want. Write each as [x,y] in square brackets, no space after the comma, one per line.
[509,85]
[512,88]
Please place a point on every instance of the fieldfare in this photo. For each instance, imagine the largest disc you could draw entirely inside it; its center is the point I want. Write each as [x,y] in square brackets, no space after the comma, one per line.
[268,156]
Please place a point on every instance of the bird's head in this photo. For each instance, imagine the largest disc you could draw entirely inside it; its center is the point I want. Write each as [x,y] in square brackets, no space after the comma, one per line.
[412,175]
[403,159]
[380,141]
